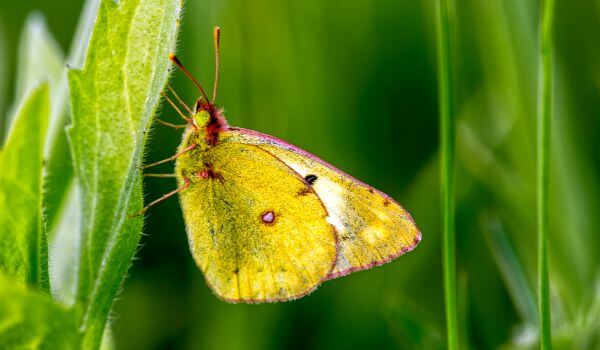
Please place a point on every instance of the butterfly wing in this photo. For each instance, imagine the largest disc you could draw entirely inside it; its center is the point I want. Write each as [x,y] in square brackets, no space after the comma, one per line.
[371,227]
[256,229]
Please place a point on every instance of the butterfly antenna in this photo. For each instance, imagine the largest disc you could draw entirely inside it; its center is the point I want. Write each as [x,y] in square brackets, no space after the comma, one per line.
[176,61]
[217,38]
[188,109]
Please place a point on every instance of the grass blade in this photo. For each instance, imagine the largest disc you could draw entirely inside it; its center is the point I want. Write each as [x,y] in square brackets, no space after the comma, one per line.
[113,100]
[511,269]
[544,120]
[445,83]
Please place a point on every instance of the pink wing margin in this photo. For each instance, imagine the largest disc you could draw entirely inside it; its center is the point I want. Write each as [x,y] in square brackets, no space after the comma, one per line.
[287,146]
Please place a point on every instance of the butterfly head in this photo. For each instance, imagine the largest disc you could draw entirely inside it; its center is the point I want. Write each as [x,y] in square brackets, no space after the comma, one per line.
[207,122]
[202,117]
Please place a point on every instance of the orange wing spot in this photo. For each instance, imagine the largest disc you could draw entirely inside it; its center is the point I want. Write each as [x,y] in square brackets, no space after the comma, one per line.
[304,191]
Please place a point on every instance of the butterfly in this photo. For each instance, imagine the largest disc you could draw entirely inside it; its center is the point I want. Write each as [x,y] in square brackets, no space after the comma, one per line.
[267,221]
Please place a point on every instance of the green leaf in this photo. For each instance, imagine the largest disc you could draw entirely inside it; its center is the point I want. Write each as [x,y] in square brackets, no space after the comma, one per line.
[61,193]
[23,252]
[40,57]
[63,250]
[113,100]
[59,178]
[4,74]
[31,320]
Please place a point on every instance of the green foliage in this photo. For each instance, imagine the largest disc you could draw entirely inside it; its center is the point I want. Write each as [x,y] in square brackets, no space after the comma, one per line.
[61,195]
[32,320]
[512,272]
[353,82]
[59,178]
[40,57]
[23,251]
[113,100]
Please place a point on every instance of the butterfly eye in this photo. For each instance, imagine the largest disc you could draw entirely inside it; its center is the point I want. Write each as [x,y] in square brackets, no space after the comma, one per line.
[202,118]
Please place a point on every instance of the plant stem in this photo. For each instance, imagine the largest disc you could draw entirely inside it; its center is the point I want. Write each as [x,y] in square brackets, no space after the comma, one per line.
[445,84]
[544,120]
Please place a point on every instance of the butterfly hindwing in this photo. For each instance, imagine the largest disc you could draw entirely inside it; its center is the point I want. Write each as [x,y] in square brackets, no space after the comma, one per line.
[255,227]
[372,228]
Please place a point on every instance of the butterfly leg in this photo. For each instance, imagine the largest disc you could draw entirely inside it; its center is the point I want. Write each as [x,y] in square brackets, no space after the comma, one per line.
[165,196]
[161,175]
[189,148]
[174,126]
[188,109]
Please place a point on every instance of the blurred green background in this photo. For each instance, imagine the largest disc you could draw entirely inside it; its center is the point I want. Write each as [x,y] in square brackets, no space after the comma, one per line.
[355,83]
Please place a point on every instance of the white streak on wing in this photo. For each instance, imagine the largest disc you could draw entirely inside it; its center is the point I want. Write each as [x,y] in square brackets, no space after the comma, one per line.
[336,222]
[299,168]
[332,195]
[373,233]
[382,215]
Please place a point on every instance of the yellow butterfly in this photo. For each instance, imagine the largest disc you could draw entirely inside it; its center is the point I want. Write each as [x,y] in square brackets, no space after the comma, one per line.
[267,221]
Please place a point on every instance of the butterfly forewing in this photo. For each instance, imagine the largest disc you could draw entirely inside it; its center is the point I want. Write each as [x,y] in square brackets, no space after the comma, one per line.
[372,228]
[258,230]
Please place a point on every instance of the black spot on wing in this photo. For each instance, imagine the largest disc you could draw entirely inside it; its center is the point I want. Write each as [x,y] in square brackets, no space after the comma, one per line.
[310,179]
